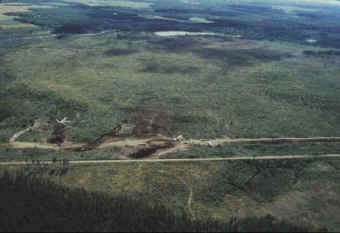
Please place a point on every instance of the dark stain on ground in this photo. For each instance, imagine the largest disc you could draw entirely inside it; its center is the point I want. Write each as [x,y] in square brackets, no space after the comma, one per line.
[176,45]
[72,28]
[119,52]
[157,67]
[145,150]
[240,57]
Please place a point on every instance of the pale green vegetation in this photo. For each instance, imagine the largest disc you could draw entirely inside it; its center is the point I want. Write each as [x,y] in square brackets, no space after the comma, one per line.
[200,20]
[7,22]
[183,33]
[113,3]
[190,20]
[292,9]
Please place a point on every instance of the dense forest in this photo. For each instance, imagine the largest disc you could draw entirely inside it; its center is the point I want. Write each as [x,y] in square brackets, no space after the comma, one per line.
[36,204]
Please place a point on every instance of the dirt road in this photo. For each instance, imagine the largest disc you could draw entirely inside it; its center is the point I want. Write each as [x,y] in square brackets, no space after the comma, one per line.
[176,146]
[272,157]
[216,142]
[207,142]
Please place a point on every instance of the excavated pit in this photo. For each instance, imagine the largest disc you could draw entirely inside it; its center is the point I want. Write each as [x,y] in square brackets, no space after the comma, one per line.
[147,149]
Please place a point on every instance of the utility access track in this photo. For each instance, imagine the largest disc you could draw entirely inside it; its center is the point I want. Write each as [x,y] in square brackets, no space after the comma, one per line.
[271,157]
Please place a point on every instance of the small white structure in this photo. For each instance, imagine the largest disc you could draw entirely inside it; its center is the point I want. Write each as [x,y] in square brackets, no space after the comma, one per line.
[210,144]
[64,121]
[311,41]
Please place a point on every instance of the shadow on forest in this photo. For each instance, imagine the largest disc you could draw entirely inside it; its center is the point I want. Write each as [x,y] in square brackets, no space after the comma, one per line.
[158,67]
[37,204]
[240,57]
[119,52]
[176,45]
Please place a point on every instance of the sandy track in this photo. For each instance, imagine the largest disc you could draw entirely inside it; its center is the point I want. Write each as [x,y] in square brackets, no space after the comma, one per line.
[221,141]
[214,142]
[172,145]
[125,142]
[46,146]
[271,157]
[191,211]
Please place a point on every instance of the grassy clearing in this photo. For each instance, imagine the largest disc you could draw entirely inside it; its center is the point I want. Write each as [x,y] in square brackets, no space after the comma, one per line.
[199,20]
[292,9]
[258,150]
[11,154]
[183,33]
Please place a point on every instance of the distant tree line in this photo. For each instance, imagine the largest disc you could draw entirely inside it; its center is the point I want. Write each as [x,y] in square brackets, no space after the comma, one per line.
[321,53]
